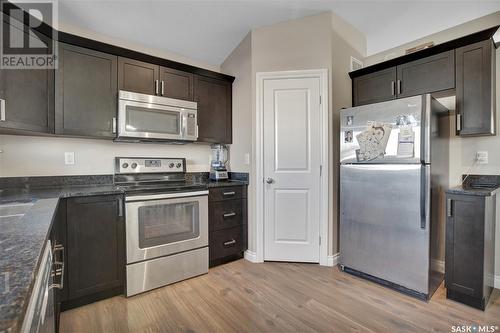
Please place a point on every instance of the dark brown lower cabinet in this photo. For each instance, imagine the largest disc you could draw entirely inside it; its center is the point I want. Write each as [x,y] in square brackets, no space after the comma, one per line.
[470,248]
[95,244]
[227,223]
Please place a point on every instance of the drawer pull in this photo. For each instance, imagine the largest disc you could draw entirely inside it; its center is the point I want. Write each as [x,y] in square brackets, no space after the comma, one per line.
[229,214]
[231,242]
[229,193]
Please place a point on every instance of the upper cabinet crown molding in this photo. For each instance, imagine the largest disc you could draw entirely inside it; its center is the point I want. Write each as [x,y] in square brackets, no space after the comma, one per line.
[440,48]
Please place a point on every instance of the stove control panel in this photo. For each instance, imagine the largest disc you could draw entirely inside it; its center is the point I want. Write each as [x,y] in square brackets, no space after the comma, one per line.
[149,165]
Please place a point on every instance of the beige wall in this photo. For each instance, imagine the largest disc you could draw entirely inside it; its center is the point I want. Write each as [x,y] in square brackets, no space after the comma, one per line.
[314,42]
[44,156]
[36,156]
[346,42]
[239,65]
[463,150]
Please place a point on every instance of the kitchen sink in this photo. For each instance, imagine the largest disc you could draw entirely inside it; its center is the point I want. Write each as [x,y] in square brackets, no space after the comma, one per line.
[14,209]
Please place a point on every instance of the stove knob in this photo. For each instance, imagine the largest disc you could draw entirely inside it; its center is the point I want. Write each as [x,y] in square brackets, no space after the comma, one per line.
[125,165]
[171,165]
[134,165]
[179,165]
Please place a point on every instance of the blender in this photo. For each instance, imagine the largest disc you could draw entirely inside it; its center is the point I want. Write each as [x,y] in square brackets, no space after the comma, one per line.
[218,170]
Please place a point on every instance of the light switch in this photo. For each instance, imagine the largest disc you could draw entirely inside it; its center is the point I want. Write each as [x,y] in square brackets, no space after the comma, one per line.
[69,158]
[247,158]
[482,157]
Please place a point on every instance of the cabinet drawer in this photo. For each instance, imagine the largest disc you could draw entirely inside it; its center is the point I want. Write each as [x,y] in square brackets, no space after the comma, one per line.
[227,193]
[226,214]
[227,242]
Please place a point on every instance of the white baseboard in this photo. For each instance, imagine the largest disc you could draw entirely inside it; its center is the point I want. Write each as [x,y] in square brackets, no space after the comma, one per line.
[437,265]
[333,260]
[497,281]
[251,256]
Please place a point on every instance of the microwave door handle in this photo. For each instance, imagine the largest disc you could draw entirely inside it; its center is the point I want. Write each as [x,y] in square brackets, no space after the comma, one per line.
[183,125]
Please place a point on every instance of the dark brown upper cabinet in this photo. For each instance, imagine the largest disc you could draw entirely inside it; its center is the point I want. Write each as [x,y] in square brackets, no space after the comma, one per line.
[475,69]
[430,74]
[27,99]
[214,98]
[138,76]
[95,245]
[176,84]
[86,92]
[145,78]
[375,87]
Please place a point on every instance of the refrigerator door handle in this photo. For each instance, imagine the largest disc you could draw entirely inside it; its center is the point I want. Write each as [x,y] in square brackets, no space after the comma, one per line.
[424,196]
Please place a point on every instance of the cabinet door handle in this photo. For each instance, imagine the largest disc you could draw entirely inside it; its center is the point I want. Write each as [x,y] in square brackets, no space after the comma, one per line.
[120,207]
[2,110]
[231,242]
[393,88]
[399,87]
[449,211]
[229,214]
[459,122]
[162,88]
[58,267]
[114,125]
[156,87]
[229,193]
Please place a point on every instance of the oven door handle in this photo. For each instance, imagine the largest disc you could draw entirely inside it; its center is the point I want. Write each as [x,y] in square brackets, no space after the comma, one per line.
[148,197]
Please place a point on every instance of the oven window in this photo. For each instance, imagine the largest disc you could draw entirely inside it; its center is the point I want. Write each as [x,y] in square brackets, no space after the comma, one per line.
[150,120]
[168,223]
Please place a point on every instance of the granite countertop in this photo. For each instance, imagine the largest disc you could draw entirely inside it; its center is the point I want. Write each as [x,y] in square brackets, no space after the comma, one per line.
[23,238]
[478,185]
[22,241]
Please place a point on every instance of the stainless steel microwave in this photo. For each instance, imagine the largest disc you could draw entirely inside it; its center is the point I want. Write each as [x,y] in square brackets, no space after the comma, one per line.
[144,117]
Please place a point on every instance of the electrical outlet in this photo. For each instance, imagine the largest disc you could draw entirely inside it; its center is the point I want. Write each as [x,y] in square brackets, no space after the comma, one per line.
[69,158]
[247,158]
[482,157]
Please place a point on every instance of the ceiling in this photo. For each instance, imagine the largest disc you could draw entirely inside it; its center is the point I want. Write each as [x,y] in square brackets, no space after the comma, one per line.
[208,31]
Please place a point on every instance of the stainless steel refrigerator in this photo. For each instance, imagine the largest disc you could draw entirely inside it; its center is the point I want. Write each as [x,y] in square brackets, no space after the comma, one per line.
[394,169]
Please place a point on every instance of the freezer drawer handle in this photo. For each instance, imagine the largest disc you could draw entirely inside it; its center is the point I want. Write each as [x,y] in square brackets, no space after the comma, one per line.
[448,208]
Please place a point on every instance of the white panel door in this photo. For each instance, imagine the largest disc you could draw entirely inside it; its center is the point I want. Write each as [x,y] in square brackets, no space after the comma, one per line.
[292,159]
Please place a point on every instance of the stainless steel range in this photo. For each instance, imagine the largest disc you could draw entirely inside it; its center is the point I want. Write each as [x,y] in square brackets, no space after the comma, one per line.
[166,222]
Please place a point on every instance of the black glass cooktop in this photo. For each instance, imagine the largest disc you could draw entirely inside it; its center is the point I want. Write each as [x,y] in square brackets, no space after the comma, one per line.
[161,186]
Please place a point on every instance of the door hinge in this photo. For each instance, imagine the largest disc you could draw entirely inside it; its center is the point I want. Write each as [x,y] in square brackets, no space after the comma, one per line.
[320,100]
[320,170]
[319,240]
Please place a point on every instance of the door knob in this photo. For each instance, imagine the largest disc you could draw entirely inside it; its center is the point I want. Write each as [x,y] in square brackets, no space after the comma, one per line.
[269,180]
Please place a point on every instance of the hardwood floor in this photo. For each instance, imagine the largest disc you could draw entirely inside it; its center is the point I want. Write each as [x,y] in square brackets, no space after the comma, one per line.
[276,297]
